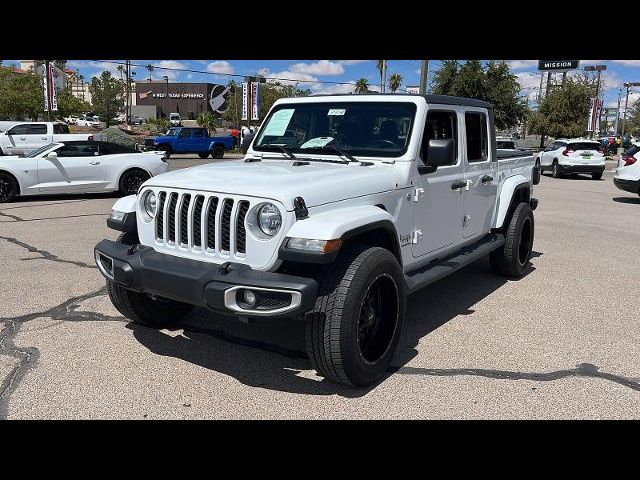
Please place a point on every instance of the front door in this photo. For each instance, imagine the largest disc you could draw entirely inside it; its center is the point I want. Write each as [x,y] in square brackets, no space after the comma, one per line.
[438,210]
[481,175]
[77,167]
[18,136]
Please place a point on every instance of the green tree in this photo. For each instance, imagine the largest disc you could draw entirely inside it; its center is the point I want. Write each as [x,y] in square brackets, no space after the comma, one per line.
[380,66]
[493,83]
[107,96]
[207,120]
[362,85]
[68,104]
[21,95]
[563,113]
[395,80]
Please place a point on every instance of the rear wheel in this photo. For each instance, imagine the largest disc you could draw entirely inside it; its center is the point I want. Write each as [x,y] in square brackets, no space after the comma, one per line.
[354,329]
[217,151]
[512,258]
[166,149]
[596,175]
[8,187]
[203,155]
[131,180]
[143,309]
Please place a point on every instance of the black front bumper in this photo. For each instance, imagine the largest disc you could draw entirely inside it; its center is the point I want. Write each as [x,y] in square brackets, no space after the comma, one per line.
[581,168]
[631,186]
[142,269]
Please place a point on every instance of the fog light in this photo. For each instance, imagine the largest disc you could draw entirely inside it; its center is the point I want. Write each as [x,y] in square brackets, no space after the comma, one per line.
[249,297]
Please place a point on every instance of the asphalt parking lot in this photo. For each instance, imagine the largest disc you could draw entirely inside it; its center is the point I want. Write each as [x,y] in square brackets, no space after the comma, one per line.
[562,342]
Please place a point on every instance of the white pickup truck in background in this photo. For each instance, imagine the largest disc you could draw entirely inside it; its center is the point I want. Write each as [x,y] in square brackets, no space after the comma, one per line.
[25,137]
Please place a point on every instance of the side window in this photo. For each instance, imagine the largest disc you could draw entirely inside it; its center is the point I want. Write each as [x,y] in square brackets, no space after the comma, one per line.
[198,132]
[37,129]
[78,150]
[60,128]
[19,130]
[440,125]
[477,141]
[185,133]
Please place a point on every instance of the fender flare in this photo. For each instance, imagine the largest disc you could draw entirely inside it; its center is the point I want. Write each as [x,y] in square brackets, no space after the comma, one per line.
[344,224]
[509,188]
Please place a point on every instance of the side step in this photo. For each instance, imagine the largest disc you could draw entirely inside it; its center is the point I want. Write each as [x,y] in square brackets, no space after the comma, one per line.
[433,272]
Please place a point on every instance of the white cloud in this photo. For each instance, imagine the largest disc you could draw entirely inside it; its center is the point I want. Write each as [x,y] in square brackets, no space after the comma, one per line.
[522,64]
[627,63]
[530,84]
[220,66]
[352,62]
[323,67]
[291,77]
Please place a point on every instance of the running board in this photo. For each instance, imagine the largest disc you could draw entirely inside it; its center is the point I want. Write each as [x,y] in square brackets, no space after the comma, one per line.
[440,268]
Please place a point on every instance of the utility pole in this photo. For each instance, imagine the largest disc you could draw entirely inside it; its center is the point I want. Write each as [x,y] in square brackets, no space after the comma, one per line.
[384,77]
[546,94]
[628,86]
[540,90]
[618,111]
[424,72]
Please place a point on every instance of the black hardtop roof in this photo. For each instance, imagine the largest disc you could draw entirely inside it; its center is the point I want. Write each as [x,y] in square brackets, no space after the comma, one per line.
[437,99]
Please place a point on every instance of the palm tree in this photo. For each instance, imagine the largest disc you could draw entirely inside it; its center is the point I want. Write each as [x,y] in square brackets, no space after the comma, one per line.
[395,80]
[362,86]
[120,69]
[380,67]
[150,68]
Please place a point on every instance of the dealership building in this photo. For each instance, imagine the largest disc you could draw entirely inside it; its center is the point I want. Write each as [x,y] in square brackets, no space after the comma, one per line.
[160,98]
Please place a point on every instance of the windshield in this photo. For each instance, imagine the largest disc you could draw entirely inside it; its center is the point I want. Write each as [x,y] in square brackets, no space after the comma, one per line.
[505,144]
[584,146]
[40,150]
[172,132]
[375,129]
[175,117]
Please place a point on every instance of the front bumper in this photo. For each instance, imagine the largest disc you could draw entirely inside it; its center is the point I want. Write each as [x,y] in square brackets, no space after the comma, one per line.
[217,287]
[581,168]
[632,186]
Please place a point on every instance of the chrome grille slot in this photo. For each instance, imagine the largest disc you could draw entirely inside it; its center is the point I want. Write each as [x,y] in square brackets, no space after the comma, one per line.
[184,219]
[160,216]
[171,219]
[197,221]
[241,233]
[211,222]
[225,239]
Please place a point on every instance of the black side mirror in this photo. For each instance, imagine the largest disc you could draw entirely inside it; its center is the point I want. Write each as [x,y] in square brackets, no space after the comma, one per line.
[429,168]
[440,153]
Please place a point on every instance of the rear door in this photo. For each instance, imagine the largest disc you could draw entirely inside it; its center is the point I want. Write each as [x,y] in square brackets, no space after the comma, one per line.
[480,174]
[78,167]
[185,140]
[200,140]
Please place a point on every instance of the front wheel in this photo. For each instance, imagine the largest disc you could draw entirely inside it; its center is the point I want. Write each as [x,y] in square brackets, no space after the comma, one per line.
[131,181]
[166,149]
[512,258]
[596,175]
[203,154]
[143,309]
[353,331]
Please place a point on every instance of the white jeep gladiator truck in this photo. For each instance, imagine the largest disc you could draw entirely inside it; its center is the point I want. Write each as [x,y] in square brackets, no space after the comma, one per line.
[342,206]
[25,137]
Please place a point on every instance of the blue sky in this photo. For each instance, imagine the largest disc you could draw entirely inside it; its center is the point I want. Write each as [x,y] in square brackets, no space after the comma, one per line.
[310,73]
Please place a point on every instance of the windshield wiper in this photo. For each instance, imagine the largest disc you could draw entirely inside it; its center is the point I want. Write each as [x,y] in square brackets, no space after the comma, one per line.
[342,152]
[281,147]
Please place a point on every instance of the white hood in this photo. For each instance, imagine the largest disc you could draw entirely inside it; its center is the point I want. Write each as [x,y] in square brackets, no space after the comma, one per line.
[318,182]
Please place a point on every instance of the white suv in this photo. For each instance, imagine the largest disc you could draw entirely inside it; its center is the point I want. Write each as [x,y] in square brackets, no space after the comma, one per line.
[573,156]
[627,176]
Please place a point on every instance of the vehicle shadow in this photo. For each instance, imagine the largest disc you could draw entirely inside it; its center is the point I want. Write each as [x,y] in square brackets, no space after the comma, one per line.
[64,196]
[632,200]
[269,353]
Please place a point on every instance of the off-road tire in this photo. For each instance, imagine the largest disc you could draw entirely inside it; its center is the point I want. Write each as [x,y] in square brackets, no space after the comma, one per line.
[596,175]
[166,149]
[9,187]
[203,154]
[511,260]
[217,151]
[334,326]
[142,308]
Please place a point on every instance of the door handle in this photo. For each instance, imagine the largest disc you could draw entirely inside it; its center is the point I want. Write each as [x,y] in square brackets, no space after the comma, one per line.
[457,185]
[22,138]
[43,138]
[486,179]
[94,163]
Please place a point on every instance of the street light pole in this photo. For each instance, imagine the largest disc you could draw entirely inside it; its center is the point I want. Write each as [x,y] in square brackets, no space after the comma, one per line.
[618,111]
[628,86]
[166,95]
[424,72]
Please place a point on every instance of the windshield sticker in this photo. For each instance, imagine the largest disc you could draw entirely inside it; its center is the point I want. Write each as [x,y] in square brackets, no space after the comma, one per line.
[316,142]
[278,123]
[337,111]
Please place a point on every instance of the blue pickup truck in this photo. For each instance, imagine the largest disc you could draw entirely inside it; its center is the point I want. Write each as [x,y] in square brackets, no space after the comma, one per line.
[190,140]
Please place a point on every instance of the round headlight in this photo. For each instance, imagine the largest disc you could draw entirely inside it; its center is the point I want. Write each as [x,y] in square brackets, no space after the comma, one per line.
[150,204]
[269,219]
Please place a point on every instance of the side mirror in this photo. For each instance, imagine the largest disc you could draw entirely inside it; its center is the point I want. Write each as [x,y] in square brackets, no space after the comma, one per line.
[429,168]
[52,155]
[441,153]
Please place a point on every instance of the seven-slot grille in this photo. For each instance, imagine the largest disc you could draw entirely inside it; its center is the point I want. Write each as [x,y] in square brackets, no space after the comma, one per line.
[199,221]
